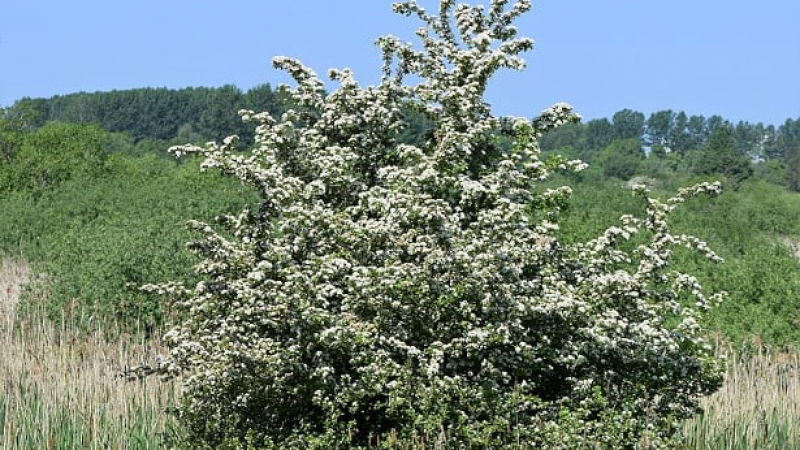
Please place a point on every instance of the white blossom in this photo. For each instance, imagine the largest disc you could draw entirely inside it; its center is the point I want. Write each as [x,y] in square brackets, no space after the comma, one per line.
[376,271]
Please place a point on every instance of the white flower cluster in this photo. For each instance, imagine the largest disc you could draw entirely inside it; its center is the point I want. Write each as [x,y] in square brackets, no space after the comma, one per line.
[381,285]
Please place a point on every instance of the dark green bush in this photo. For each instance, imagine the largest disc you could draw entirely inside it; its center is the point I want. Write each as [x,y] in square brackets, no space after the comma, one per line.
[98,239]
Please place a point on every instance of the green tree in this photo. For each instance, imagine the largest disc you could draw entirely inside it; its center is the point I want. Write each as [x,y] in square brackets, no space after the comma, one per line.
[628,124]
[770,144]
[220,116]
[748,138]
[383,291]
[719,156]
[660,126]
[572,135]
[81,108]
[661,165]
[264,98]
[28,113]
[10,137]
[622,159]
[187,134]
[697,132]
[679,134]
[716,122]
[788,137]
[793,169]
[23,117]
[55,153]
[599,134]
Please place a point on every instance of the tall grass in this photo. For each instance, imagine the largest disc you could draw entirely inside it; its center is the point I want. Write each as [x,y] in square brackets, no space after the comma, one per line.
[757,408]
[61,388]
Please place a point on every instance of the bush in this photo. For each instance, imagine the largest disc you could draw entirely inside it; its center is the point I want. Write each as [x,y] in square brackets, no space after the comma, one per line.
[53,154]
[98,239]
[383,293]
[621,159]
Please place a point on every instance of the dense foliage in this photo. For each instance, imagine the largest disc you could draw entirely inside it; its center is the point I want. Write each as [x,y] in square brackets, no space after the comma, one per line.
[53,154]
[755,228]
[383,291]
[91,230]
[98,238]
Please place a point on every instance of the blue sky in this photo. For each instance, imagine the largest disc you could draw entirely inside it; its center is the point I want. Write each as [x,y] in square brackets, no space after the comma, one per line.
[739,59]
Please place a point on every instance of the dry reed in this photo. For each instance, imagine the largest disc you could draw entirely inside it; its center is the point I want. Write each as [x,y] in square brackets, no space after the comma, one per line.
[61,386]
[757,408]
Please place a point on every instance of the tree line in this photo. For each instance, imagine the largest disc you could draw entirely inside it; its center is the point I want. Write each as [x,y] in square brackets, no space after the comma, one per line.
[156,114]
[677,141]
[677,132]
[148,120]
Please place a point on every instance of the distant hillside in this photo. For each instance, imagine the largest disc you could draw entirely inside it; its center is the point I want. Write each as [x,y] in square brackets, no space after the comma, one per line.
[158,113]
[151,119]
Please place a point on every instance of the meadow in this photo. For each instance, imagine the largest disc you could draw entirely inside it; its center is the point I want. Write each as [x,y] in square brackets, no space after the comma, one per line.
[758,406]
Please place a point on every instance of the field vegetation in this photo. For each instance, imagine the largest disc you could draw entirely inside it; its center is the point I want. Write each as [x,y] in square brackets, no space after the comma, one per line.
[757,406]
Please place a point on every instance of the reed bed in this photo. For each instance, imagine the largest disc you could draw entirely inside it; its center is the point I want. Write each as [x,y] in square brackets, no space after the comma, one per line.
[757,408]
[61,387]
[13,275]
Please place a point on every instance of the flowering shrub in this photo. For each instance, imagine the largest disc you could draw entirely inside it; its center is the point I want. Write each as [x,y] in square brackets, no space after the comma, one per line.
[384,293]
